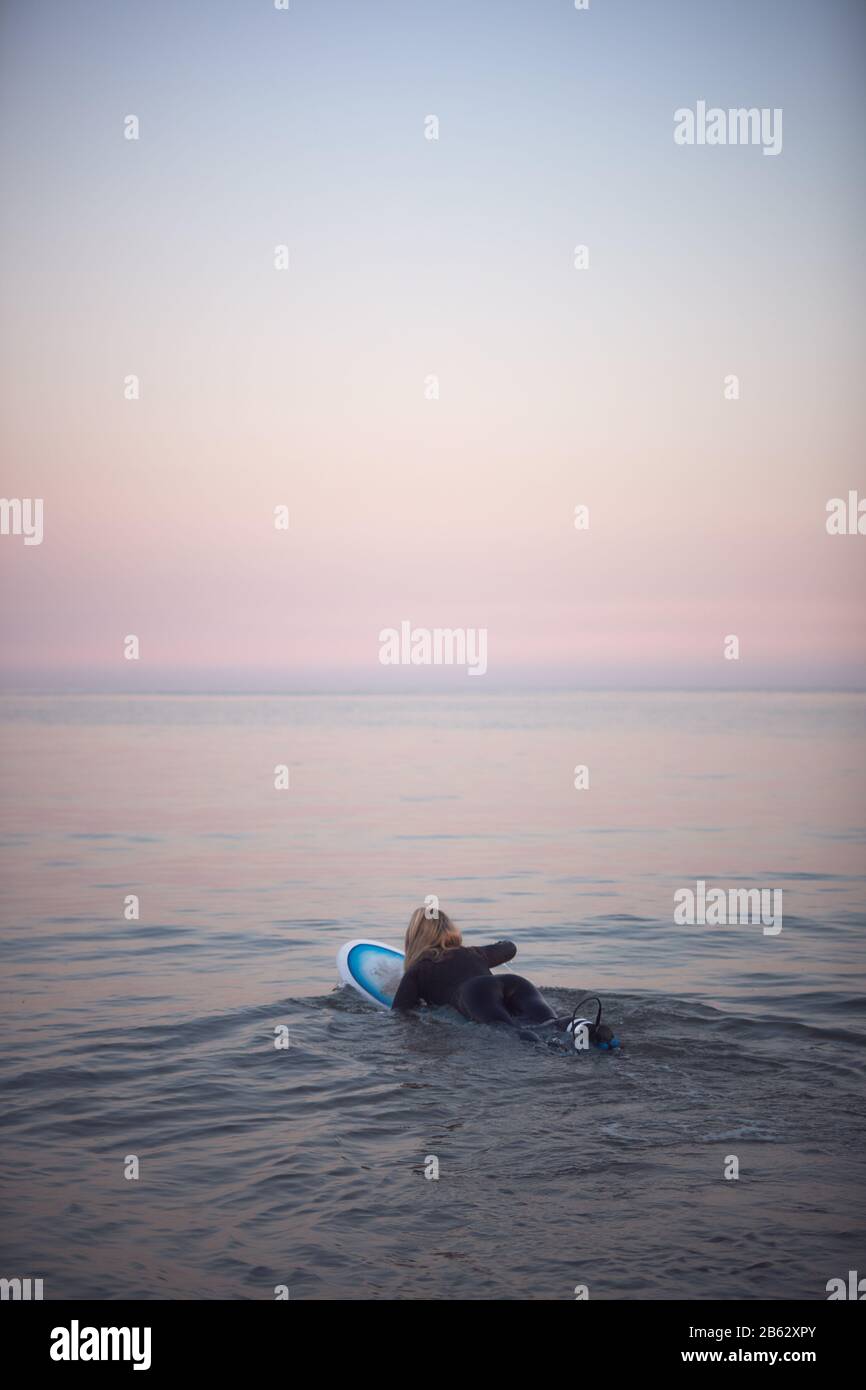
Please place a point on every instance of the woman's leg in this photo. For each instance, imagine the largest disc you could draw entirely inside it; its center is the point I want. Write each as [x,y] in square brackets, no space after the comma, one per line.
[522,999]
[481,1000]
[504,999]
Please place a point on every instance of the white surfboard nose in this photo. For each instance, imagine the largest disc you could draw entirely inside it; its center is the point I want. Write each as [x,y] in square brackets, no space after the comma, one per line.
[372,968]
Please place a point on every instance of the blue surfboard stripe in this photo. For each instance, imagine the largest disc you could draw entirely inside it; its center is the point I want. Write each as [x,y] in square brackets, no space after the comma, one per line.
[356,960]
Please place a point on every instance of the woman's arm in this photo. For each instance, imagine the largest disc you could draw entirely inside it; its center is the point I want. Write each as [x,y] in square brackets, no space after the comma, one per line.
[499,954]
[407,995]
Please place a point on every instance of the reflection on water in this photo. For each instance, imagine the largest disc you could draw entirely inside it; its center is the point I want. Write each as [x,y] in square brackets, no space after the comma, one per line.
[306,1166]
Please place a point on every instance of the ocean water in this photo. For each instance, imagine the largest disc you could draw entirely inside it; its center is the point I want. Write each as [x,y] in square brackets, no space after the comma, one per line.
[305,1166]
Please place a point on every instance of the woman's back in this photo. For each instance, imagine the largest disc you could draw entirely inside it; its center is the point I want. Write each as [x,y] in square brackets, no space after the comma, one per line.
[438,980]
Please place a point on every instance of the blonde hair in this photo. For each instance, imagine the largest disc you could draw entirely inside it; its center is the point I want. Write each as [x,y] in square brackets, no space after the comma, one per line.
[429,936]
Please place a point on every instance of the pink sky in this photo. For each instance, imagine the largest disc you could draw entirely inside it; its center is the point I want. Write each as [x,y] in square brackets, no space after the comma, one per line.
[410,258]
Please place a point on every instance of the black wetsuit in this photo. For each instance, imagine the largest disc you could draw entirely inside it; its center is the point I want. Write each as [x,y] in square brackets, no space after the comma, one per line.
[461,977]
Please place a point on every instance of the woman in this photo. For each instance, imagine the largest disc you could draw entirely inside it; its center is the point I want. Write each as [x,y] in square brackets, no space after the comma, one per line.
[439,969]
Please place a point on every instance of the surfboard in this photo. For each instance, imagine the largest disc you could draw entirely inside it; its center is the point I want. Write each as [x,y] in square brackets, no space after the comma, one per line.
[371,968]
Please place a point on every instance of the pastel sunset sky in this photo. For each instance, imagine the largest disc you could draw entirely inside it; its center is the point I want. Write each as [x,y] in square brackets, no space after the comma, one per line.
[411,258]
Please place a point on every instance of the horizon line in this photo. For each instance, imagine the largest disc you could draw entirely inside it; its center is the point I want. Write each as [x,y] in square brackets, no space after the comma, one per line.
[13,692]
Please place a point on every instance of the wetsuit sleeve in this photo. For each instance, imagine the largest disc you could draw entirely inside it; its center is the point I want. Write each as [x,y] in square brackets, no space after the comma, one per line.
[407,995]
[500,953]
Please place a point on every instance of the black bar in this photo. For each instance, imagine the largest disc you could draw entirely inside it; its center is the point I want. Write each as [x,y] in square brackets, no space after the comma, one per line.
[602,1337]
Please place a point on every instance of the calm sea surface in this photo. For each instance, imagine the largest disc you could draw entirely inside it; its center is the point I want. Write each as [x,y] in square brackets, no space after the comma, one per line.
[306,1166]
